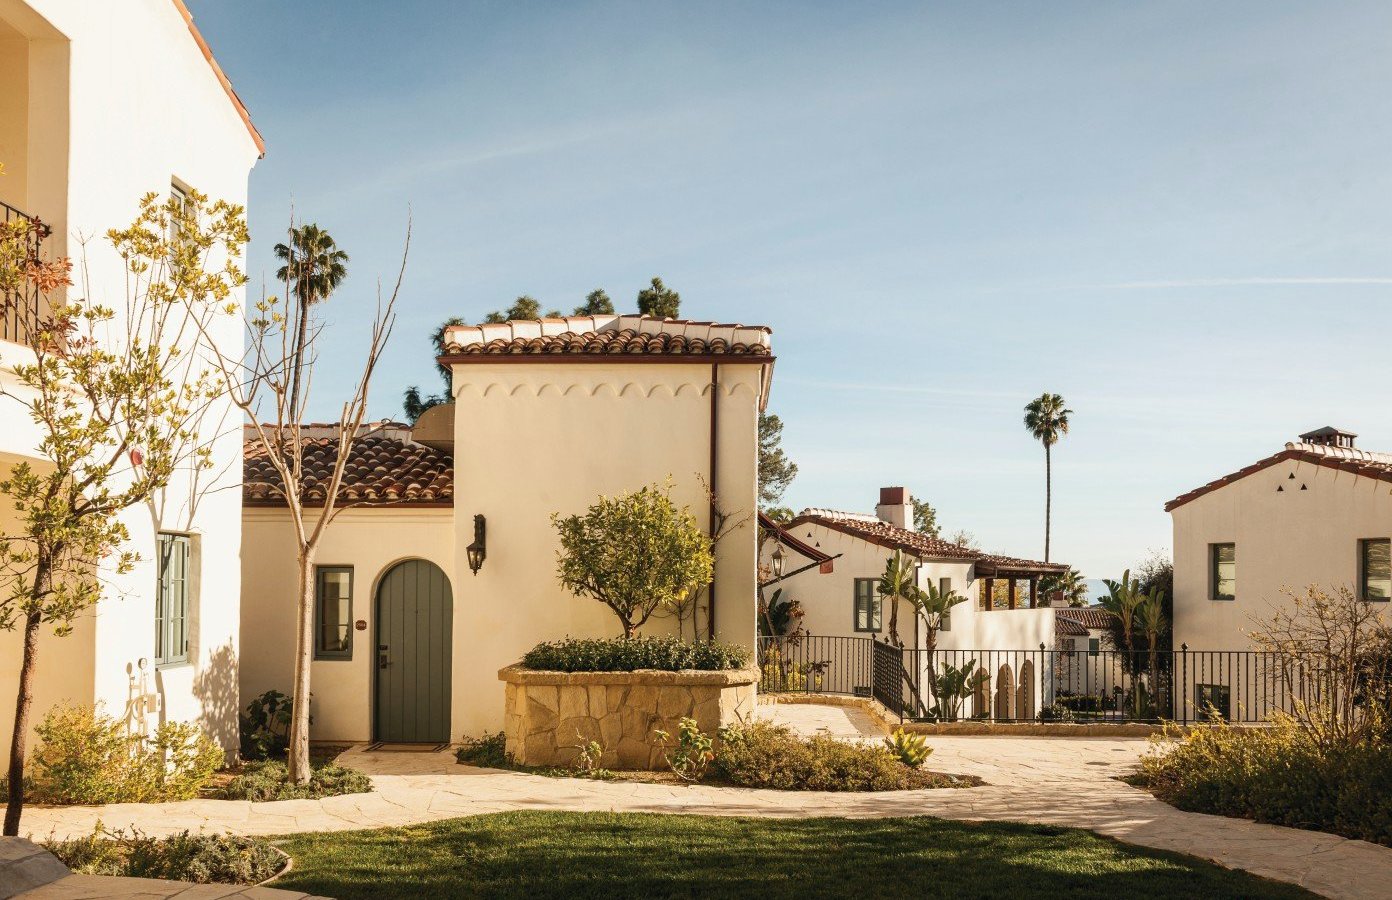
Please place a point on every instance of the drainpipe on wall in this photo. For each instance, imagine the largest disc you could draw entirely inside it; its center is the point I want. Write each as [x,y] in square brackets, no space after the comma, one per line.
[714,489]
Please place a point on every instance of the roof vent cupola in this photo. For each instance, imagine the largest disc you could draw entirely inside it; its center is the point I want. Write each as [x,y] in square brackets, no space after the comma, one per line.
[1329,436]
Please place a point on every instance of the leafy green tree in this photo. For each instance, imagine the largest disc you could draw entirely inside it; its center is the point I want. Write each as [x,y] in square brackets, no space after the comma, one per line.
[780,514]
[635,553]
[313,267]
[524,308]
[1046,419]
[926,518]
[1128,603]
[1070,584]
[776,471]
[118,419]
[659,300]
[597,303]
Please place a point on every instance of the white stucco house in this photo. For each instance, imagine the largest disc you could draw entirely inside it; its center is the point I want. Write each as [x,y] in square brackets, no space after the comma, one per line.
[547,416]
[1003,624]
[1317,512]
[101,103]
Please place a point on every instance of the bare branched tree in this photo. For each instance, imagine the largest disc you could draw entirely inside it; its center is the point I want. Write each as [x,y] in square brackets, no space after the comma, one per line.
[270,382]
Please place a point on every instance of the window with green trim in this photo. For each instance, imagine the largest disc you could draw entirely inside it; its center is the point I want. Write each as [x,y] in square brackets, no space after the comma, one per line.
[1222,569]
[1375,569]
[867,604]
[1094,646]
[173,555]
[333,612]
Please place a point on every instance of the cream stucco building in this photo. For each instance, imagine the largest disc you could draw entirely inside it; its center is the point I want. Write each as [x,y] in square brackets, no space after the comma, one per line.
[547,416]
[1003,624]
[1317,512]
[101,103]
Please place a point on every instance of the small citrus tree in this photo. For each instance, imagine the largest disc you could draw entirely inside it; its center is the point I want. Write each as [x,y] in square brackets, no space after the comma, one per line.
[635,553]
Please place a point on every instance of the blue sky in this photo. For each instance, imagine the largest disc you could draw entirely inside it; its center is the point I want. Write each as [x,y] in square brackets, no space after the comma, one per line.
[1175,214]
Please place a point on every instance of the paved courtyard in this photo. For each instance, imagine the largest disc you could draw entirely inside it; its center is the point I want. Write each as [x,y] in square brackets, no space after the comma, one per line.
[1056,781]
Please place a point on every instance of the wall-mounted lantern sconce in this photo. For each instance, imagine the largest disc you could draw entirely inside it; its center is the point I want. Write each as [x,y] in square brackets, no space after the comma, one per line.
[778,560]
[479,548]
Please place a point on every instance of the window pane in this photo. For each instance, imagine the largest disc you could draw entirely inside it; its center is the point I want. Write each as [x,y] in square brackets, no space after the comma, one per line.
[171,598]
[1377,570]
[1225,571]
[335,610]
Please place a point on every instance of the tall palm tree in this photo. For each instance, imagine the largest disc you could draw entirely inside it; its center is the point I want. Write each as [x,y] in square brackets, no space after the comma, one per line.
[313,268]
[1046,418]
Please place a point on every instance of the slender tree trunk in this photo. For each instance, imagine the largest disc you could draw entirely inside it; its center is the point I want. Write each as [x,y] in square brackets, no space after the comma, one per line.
[304,656]
[23,703]
[1048,497]
[301,335]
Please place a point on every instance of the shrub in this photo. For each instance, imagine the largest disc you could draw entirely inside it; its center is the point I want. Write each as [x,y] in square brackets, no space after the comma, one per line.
[265,727]
[488,751]
[764,755]
[1281,775]
[912,749]
[269,780]
[1056,713]
[85,756]
[200,858]
[620,655]
[693,752]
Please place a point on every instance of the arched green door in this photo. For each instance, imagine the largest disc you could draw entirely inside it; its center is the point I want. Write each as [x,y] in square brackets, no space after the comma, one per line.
[414,619]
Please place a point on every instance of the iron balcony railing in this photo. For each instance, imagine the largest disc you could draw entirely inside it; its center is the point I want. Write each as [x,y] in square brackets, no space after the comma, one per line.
[1080,685]
[20,308]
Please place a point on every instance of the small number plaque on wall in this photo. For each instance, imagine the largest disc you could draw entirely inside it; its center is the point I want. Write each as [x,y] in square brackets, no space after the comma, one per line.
[361,624]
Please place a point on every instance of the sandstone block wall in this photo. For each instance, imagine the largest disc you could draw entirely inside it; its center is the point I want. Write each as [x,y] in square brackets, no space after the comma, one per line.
[550,714]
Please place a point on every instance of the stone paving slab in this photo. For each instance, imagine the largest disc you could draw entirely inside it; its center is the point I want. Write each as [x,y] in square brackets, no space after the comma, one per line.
[1043,780]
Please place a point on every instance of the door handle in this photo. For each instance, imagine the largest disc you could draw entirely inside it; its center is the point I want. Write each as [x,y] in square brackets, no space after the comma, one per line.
[382,661]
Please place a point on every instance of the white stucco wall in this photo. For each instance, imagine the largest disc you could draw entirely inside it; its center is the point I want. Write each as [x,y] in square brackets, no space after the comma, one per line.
[1286,540]
[369,540]
[533,439]
[121,102]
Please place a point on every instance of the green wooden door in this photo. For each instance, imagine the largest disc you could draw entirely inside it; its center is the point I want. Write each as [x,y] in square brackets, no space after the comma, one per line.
[414,619]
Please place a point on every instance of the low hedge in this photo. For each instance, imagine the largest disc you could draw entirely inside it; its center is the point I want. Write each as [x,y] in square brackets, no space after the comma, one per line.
[764,755]
[200,858]
[270,780]
[1276,775]
[668,654]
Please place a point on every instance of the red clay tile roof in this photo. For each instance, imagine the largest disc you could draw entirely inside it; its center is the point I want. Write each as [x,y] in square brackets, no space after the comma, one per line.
[792,541]
[606,336]
[1070,627]
[381,471]
[1345,459]
[1086,616]
[895,538]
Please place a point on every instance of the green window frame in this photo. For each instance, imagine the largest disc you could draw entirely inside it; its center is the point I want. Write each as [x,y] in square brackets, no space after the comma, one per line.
[1094,646]
[333,612]
[945,588]
[1222,571]
[868,604]
[174,555]
[1375,569]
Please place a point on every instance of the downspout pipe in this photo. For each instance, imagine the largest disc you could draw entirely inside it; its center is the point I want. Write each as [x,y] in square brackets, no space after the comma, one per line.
[714,491]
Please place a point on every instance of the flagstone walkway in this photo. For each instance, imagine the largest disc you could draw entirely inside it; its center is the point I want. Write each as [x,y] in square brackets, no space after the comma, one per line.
[1054,781]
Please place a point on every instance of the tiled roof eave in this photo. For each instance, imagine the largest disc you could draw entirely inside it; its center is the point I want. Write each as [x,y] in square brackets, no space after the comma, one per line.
[603,356]
[1356,467]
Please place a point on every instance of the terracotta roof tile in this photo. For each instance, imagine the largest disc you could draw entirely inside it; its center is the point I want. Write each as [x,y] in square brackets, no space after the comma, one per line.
[381,471]
[1345,459]
[606,336]
[917,543]
[1086,616]
[1069,627]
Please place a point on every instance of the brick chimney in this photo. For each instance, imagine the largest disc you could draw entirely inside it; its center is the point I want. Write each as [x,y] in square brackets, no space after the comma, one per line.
[895,507]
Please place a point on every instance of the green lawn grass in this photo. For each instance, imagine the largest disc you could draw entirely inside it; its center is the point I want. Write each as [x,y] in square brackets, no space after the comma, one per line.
[535,855]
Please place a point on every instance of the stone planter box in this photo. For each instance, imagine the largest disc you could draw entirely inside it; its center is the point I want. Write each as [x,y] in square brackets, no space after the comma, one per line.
[549,714]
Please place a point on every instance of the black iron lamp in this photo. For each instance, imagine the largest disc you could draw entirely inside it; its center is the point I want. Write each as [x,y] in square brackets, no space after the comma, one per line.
[479,548]
[778,560]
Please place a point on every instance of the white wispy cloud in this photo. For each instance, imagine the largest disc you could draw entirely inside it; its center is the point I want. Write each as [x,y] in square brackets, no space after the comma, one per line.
[1257,281]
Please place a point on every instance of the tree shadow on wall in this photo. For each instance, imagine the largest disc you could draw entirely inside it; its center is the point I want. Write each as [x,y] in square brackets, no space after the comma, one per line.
[216,688]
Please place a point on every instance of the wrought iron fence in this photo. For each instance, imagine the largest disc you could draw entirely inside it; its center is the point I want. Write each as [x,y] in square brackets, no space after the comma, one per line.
[1082,685]
[19,298]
